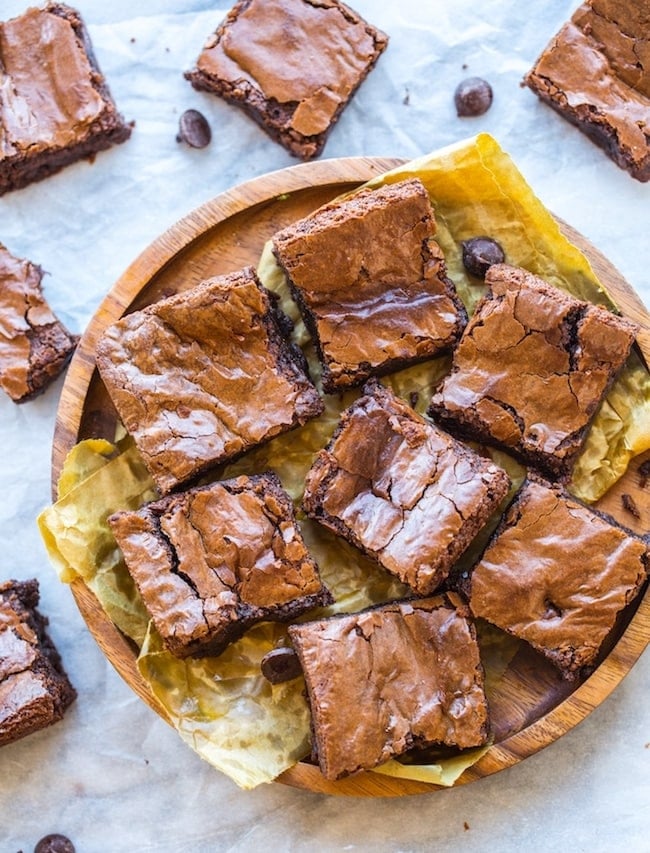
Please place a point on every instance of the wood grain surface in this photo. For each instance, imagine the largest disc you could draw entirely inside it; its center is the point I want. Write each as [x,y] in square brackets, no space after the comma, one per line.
[533,706]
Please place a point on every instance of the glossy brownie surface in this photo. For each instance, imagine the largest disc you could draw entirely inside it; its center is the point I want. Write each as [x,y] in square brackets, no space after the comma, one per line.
[213,561]
[380,682]
[531,369]
[371,283]
[400,489]
[557,574]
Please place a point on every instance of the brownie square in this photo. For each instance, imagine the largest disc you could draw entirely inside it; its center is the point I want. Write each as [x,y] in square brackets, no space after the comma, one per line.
[557,574]
[292,65]
[34,345]
[34,688]
[407,494]
[371,283]
[55,105]
[403,675]
[596,74]
[212,561]
[531,369]
[204,375]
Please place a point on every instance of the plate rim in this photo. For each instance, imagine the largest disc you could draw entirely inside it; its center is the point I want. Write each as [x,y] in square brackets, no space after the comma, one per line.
[177,238]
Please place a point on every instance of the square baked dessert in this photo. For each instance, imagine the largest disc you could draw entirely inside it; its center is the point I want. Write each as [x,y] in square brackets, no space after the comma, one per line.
[557,574]
[596,74]
[34,688]
[403,675]
[34,345]
[404,492]
[371,283]
[531,369]
[292,65]
[55,104]
[212,561]
[204,375]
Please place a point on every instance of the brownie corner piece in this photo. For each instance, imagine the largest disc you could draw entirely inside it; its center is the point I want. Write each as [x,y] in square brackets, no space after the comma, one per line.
[203,376]
[411,670]
[292,65]
[595,72]
[531,369]
[563,601]
[48,62]
[34,345]
[373,305]
[407,494]
[34,688]
[215,560]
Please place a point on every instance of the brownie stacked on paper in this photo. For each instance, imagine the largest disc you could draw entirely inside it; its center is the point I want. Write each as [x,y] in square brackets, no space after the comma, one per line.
[204,376]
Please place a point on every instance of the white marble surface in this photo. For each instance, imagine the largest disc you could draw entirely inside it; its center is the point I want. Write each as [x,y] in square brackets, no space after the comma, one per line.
[114,777]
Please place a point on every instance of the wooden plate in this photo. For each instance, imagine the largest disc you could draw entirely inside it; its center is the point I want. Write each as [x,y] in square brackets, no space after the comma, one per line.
[533,707]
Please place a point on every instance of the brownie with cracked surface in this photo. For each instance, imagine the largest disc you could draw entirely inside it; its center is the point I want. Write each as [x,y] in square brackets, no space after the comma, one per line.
[403,491]
[371,283]
[595,73]
[292,65]
[557,574]
[202,376]
[55,104]
[215,560]
[34,688]
[34,345]
[531,369]
[402,675]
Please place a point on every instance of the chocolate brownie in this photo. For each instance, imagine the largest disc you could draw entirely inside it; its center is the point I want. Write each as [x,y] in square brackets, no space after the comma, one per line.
[531,370]
[55,105]
[34,688]
[213,561]
[204,375]
[292,65]
[371,283]
[403,675]
[34,345]
[596,74]
[400,489]
[557,574]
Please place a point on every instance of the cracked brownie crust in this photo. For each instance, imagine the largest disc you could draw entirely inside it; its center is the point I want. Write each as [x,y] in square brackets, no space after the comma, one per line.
[371,283]
[531,370]
[293,65]
[215,560]
[596,74]
[50,75]
[380,682]
[407,494]
[34,688]
[557,574]
[34,345]
[205,375]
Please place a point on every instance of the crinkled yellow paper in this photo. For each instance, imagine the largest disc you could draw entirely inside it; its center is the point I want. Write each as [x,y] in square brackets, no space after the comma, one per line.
[222,707]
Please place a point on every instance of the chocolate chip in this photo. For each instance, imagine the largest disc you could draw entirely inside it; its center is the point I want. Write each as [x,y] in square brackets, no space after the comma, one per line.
[280,665]
[193,128]
[54,843]
[473,97]
[644,473]
[479,253]
[629,504]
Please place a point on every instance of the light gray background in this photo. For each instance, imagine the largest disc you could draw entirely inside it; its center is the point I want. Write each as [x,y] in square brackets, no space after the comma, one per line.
[112,776]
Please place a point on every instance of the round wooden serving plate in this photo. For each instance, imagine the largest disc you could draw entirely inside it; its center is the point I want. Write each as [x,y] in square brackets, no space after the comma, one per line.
[533,706]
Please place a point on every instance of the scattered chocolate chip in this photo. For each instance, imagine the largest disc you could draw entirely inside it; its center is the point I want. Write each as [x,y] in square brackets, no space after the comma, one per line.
[280,665]
[629,504]
[193,128]
[479,253]
[414,396]
[54,843]
[644,473]
[473,97]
